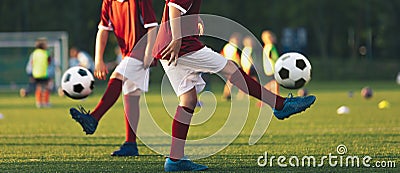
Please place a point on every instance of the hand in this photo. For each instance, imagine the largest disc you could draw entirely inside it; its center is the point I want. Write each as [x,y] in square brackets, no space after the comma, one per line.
[100,71]
[172,50]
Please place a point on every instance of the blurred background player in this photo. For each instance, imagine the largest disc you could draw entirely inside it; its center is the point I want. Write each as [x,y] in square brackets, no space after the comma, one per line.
[231,52]
[246,57]
[246,61]
[80,58]
[31,87]
[41,61]
[132,74]
[270,56]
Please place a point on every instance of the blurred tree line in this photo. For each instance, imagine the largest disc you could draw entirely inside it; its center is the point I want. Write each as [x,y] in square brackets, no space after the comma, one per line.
[335,28]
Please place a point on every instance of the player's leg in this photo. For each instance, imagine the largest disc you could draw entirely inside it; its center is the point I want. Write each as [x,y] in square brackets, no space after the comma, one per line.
[38,95]
[250,86]
[181,123]
[128,66]
[272,86]
[110,96]
[186,82]
[89,121]
[136,81]
[283,107]
[46,93]
[132,114]
[180,128]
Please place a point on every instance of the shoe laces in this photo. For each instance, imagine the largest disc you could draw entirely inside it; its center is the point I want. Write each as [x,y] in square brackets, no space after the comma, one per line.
[289,97]
[299,101]
[82,110]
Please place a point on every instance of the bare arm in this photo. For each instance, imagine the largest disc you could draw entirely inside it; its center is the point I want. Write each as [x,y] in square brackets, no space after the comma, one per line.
[101,70]
[173,48]
[174,17]
[151,37]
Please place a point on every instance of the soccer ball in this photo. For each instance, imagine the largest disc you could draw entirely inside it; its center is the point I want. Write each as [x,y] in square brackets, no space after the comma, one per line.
[366,92]
[292,70]
[77,82]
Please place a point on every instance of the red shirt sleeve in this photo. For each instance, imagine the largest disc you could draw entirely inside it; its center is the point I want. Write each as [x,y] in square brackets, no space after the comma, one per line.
[148,14]
[105,22]
[182,5]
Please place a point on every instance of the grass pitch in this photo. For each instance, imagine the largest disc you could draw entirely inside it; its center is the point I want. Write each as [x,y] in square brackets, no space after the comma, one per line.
[48,140]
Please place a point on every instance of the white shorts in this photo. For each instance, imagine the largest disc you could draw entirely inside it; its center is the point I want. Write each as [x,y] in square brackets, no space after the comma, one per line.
[136,76]
[187,73]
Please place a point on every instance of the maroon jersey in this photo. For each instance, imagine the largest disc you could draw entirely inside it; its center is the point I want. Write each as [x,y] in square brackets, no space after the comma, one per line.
[189,27]
[129,19]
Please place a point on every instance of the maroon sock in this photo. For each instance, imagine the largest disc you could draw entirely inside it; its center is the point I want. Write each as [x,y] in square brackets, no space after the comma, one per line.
[250,86]
[130,134]
[180,128]
[109,98]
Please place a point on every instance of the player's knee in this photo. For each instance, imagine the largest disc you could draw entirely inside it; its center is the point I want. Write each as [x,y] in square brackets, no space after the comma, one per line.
[189,99]
[116,75]
[189,102]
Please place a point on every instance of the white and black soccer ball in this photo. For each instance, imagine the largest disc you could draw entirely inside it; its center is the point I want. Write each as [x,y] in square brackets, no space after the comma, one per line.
[77,82]
[292,70]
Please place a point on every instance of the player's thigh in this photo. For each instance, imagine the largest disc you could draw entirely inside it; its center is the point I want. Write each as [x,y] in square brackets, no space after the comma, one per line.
[134,75]
[204,60]
[183,78]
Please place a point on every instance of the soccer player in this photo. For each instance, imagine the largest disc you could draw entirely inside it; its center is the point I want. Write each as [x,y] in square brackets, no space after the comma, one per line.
[40,62]
[231,52]
[23,92]
[247,61]
[183,58]
[130,20]
[270,56]
[80,58]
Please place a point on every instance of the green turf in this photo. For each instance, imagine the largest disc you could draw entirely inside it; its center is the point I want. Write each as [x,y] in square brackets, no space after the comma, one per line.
[48,140]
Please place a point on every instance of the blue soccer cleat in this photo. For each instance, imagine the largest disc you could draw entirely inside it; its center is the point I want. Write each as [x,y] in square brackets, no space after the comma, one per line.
[88,122]
[293,105]
[127,149]
[182,165]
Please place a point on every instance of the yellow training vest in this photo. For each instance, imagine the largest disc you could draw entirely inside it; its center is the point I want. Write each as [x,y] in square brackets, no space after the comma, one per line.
[40,63]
